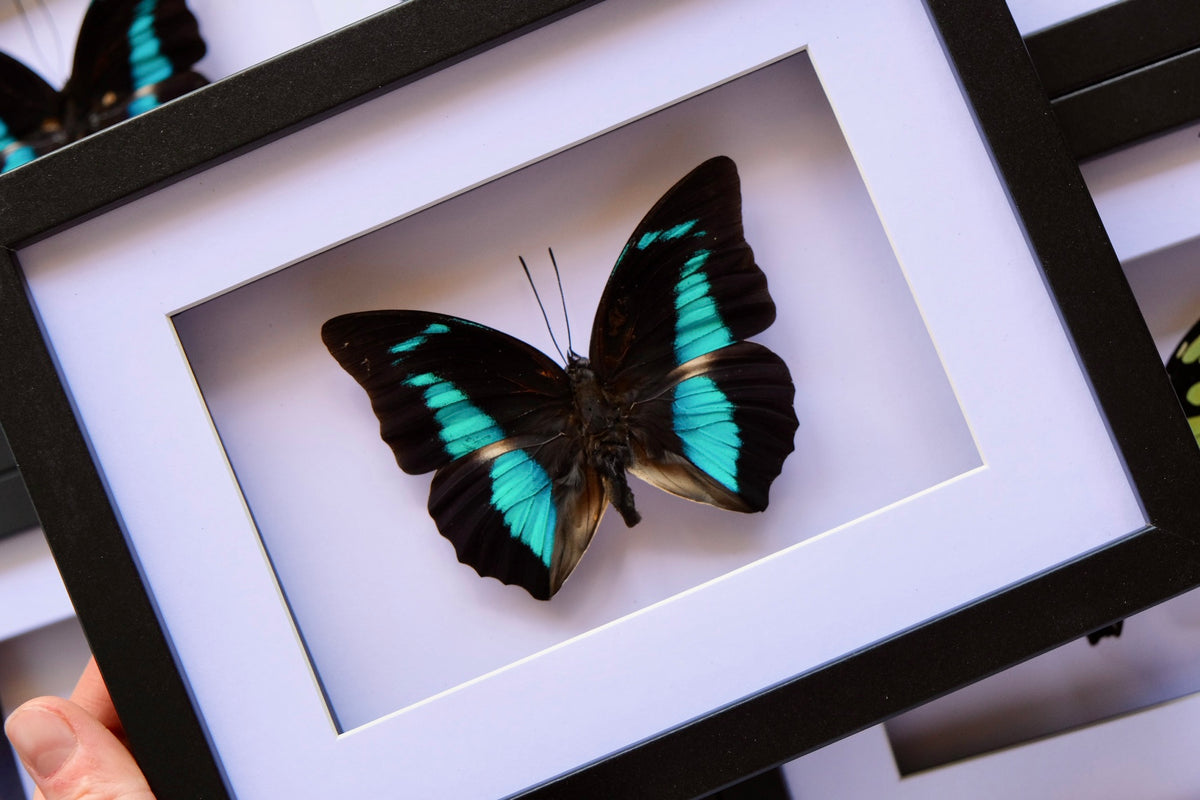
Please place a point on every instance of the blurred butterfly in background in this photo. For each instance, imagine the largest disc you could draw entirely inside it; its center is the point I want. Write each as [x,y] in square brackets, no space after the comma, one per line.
[1183,367]
[528,455]
[131,56]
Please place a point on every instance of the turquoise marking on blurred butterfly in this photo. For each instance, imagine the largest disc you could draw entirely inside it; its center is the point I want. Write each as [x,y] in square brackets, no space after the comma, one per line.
[527,454]
[131,56]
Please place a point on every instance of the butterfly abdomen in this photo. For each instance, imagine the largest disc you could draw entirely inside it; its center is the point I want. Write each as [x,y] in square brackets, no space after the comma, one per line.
[602,423]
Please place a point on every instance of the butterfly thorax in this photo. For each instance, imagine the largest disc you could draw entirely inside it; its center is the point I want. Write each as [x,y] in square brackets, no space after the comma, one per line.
[603,428]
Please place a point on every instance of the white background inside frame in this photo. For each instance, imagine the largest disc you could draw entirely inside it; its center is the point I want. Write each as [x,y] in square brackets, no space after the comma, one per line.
[879,419]
[933,187]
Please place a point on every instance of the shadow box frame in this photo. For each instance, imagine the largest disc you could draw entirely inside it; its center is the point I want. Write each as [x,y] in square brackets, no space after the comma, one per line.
[1121,73]
[1012,282]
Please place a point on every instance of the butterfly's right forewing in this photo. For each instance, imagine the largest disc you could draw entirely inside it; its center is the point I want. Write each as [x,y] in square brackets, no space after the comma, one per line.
[139,51]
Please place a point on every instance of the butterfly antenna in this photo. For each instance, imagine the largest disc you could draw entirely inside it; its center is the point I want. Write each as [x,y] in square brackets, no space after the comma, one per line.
[546,317]
[563,298]
[50,66]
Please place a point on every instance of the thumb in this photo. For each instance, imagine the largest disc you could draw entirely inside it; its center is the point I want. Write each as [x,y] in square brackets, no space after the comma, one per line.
[71,756]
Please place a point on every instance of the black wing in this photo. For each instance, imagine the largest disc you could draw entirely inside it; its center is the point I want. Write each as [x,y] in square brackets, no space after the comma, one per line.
[711,417]
[30,110]
[495,418]
[131,56]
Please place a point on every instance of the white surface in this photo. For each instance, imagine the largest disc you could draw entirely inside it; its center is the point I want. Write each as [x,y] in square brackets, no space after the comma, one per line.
[31,592]
[1166,284]
[1155,659]
[1150,756]
[1148,194]
[1034,15]
[1049,466]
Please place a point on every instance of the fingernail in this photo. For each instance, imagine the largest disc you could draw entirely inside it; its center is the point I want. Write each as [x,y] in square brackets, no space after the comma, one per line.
[42,739]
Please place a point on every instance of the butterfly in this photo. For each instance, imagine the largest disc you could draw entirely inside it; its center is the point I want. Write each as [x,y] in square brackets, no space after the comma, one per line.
[1183,368]
[527,455]
[131,56]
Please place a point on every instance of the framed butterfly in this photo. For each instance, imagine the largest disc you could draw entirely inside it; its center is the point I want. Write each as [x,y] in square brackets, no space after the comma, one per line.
[1183,367]
[131,56]
[527,455]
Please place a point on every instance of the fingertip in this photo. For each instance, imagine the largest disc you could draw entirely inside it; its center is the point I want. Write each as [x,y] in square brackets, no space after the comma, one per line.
[70,755]
[43,739]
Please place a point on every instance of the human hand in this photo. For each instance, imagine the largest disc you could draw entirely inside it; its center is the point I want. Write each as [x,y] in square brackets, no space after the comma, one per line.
[74,749]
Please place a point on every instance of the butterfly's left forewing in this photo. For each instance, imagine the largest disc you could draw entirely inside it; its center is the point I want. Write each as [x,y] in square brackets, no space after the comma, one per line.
[710,415]
[493,417]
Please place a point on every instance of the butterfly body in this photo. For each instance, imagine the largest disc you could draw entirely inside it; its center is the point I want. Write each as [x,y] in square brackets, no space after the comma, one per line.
[131,56]
[601,427]
[528,454]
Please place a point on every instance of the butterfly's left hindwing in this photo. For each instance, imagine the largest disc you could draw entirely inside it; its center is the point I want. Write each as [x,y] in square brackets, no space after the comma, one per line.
[494,417]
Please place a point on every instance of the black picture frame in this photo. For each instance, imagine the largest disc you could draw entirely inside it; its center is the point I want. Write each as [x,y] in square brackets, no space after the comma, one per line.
[16,509]
[233,116]
[1122,73]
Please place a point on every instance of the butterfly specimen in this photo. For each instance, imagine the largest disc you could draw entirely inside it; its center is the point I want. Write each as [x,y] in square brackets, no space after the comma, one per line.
[527,455]
[131,56]
[1183,367]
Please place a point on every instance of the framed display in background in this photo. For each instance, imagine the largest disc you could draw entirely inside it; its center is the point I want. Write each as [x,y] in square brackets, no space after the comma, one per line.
[1108,721]
[42,35]
[976,452]
[1122,72]
[1137,694]
[1076,719]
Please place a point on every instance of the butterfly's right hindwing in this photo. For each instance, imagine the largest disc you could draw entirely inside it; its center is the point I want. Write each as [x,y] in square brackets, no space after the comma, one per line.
[491,414]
